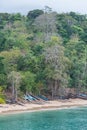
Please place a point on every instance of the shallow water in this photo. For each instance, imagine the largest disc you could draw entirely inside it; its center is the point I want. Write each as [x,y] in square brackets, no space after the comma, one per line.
[68,119]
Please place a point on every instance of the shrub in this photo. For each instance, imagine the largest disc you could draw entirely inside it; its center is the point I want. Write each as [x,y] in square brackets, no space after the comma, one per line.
[2,101]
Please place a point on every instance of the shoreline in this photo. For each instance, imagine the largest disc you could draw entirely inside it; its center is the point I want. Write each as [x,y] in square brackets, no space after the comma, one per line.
[49,105]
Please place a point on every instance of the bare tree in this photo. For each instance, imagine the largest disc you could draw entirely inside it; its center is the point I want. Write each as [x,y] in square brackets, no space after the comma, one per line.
[14,79]
[46,24]
[56,68]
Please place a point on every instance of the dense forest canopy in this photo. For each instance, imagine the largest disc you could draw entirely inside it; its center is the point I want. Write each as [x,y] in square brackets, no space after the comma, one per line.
[42,53]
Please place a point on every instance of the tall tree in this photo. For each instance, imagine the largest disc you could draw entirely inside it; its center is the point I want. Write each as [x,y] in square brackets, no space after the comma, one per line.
[76,51]
[45,24]
[14,79]
[56,67]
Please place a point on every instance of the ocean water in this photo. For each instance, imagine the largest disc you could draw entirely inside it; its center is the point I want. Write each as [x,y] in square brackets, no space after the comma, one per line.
[68,119]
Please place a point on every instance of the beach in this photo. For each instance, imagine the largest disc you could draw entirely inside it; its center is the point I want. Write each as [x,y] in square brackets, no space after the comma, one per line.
[49,105]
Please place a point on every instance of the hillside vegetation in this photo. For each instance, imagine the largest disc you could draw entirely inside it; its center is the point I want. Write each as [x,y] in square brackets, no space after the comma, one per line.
[42,53]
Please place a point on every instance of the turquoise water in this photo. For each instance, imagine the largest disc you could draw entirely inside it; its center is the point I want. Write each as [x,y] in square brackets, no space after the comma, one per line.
[69,119]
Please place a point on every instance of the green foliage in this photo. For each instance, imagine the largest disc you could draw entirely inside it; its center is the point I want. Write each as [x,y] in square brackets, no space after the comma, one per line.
[28,82]
[14,78]
[2,101]
[10,59]
[2,97]
[48,49]
[34,13]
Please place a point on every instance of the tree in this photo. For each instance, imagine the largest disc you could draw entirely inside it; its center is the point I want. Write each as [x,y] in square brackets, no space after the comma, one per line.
[76,52]
[28,82]
[46,25]
[10,59]
[56,68]
[14,79]
[34,13]
[15,36]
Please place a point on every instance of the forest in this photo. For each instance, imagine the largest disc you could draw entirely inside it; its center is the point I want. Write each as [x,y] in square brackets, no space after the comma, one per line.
[44,52]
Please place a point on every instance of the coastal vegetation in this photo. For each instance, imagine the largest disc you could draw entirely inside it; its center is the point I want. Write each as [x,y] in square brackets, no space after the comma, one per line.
[42,53]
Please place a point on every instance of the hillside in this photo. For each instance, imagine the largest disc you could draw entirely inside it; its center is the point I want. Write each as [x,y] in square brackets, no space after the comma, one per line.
[42,53]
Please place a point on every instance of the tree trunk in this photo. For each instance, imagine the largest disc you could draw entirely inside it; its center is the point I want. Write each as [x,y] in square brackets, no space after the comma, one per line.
[55,87]
[13,90]
[52,89]
[16,95]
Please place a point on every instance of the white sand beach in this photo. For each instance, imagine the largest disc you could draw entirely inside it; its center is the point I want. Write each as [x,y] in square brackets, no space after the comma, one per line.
[49,105]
